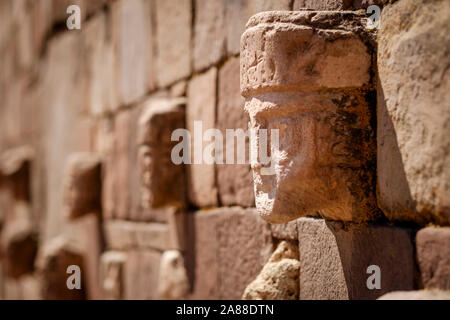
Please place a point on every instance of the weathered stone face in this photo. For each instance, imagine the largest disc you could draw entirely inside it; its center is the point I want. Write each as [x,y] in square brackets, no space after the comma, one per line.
[162,182]
[299,76]
[82,185]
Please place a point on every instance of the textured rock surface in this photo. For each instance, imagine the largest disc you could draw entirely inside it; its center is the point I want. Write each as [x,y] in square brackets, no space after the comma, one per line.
[413,113]
[162,181]
[201,106]
[286,231]
[173,40]
[235,181]
[334,258]
[433,255]
[278,279]
[173,282]
[417,295]
[228,248]
[299,77]
[82,186]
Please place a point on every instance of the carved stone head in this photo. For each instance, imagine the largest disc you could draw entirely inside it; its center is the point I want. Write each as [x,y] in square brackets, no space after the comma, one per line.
[306,75]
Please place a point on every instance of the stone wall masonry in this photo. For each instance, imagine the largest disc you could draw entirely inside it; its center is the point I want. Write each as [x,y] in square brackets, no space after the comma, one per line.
[87,179]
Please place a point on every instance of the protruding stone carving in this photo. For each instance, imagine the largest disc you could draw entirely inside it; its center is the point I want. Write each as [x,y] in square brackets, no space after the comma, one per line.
[278,279]
[111,274]
[173,282]
[162,181]
[307,74]
[82,190]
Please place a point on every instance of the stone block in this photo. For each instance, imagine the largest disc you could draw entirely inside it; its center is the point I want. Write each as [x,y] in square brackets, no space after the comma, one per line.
[234,181]
[173,40]
[201,106]
[300,81]
[335,256]
[286,231]
[433,255]
[229,247]
[141,274]
[125,235]
[209,33]
[413,153]
[133,38]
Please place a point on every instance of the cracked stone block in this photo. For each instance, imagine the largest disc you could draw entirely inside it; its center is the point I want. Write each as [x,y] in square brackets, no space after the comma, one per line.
[335,256]
[413,145]
[82,186]
[111,274]
[162,181]
[433,255]
[299,76]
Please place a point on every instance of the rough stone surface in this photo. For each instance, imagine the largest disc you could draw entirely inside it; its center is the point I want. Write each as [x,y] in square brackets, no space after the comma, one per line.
[317,100]
[417,295]
[82,185]
[162,181]
[413,145]
[101,66]
[209,33]
[433,255]
[278,279]
[173,281]
[229,247]
[135,57]
[201,106]
[141,272]
[173,20]
[111,274]
[337,4]
[287,231]
[235,181]
[334,258]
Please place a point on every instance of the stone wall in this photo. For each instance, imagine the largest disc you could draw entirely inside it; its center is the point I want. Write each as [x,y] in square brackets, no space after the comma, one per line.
[86,177]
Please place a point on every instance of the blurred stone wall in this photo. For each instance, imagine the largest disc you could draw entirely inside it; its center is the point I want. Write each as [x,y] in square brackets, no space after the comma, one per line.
[86,177]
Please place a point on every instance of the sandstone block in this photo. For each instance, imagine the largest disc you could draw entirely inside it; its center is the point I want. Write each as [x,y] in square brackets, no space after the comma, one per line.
[235,181]
[334,258]
[413,153]
[209,33]
[174,21]
[82,186]
[101,65]
[294,66]
[287,231]
[141,274]
[278,279]
[125,235]
[231,246]
[162,181]
[112,274]
[201,106]
[131,18]
[433,255]
[173,282]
